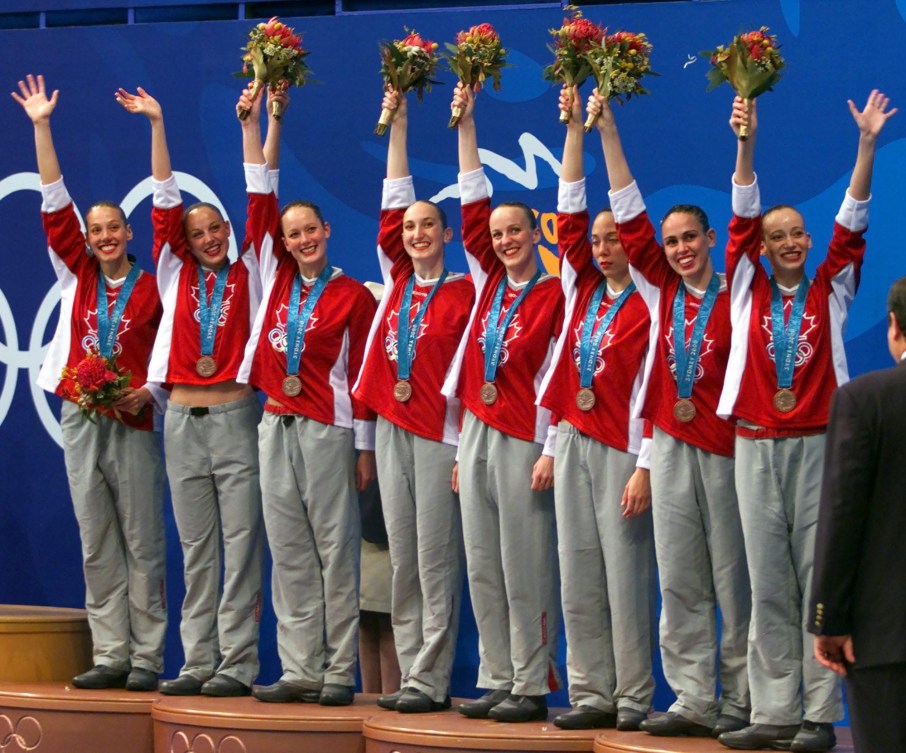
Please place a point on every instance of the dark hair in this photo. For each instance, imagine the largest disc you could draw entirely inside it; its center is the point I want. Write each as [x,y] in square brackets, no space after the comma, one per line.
[441,214]
[896,302]
[303,204]
[109,205]
[692,209]
[605,210]
[533,222]
[200,205]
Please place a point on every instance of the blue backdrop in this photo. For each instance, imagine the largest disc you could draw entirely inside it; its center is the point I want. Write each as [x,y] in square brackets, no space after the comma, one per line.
[677,140]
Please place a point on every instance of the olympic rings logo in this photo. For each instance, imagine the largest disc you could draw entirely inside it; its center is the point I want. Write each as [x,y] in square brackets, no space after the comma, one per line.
[204,743]
[31,357]
[25,734]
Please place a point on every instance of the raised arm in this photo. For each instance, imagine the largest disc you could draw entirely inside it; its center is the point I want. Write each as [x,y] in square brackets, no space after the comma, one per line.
[274,126]
[252,151]
[33,98]
[397,153]
[142,103]
[617,167]
[744,113]
[464,98]
[870,122]
[572,169]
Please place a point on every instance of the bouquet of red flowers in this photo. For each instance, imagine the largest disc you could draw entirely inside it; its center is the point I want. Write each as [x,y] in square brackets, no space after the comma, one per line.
[407,64]
[97,383]
[751,64]
[273,57]
[572,41]
[618,64]
[476,56]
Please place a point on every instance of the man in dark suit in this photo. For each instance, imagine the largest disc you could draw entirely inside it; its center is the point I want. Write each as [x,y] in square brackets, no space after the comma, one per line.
[858,597]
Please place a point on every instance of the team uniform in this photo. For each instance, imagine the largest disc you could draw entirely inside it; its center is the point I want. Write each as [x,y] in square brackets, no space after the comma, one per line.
[697,531]
[114,465]
[307,449]
[508,528]
[212,460]
[606,560]
[780,457]
[416,448]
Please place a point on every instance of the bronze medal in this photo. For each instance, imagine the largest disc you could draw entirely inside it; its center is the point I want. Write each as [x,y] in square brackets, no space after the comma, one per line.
[292,385]
[402,390]
[784,400]
[585,399]
[684,410]
[488,393]
[206,366]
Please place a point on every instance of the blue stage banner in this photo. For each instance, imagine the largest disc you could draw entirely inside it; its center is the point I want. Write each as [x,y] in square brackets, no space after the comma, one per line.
[677,140]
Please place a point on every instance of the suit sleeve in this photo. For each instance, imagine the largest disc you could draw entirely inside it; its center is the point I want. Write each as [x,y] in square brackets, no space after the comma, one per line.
[845,501]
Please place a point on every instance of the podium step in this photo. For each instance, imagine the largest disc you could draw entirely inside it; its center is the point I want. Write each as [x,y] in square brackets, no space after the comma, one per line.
[240,725]
[451,732]
[43,644]
[57,718]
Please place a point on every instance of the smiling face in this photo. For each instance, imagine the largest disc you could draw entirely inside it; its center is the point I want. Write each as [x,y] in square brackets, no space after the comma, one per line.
[208,235]
[424,237]
[687,246]
[607,250]
[513,239]
[107,234]
[785,244]
[305,236]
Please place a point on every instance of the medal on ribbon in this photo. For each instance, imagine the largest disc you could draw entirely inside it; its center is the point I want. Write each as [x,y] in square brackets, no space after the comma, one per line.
[297,323]
[495,335]
[591,340]
[208,317]
[109,323]
[786,342]
[687,355]
[407,336]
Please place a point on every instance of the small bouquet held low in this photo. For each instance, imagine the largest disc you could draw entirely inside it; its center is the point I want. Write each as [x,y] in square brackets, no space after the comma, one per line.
[751,64]
[572,41]
[97,383]
[274,58]
[477,56]
[618,64]
[406,65]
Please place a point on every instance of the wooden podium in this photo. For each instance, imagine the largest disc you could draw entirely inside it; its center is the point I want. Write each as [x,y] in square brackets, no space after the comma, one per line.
[39,644]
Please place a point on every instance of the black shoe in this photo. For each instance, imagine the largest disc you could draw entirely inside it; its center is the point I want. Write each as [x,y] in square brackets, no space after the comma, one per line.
[672,724]
[586,717]
[182,685]
[479,708]
[389,701]
[414,701]
[141,680]
[285,692]
[101,677]
[628,719]
[814,737]
[758,736]
[520,708]
[336,695]
[727,723]
[224,686]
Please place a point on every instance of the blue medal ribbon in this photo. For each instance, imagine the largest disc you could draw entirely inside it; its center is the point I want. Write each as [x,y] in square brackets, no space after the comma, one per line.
[407,335]
[209,313]
[786,335]
[687,356]
[495,332]
[590,343]
[109,324]
[296,321]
